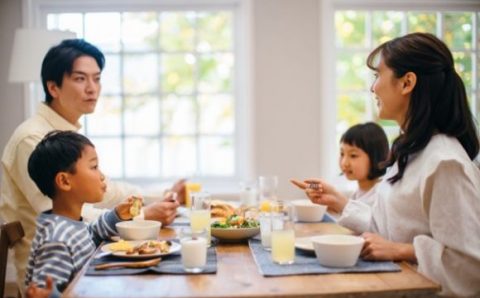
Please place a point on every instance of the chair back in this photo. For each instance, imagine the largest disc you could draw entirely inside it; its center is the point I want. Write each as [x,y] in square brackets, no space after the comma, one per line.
[10,233]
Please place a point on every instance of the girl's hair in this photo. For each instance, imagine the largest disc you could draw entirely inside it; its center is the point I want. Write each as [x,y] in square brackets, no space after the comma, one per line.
[371,138]
[438,102]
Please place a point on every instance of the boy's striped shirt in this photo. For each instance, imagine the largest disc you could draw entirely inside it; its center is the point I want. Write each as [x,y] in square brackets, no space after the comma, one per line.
[62,246]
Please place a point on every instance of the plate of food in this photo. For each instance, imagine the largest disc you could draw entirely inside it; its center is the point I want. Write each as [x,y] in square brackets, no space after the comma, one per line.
[304,243]
[234,228]
[141,249]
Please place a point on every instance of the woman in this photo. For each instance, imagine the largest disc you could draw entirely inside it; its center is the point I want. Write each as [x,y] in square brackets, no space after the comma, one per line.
[427,209]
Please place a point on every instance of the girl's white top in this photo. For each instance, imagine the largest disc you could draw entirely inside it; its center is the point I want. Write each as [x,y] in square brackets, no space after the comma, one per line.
[435,206]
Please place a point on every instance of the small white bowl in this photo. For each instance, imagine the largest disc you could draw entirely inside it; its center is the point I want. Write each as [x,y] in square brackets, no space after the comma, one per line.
[337,250]
[307,211]
[138,229]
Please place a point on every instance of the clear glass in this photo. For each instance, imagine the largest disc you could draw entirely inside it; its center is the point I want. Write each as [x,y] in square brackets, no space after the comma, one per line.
[193,249]
[200,218]
[267,221]
[283,240]
[267,187]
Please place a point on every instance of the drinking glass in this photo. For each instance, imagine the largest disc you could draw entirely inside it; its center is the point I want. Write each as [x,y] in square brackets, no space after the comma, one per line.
[283,240]
[200,218]
[193,249]
[267,187]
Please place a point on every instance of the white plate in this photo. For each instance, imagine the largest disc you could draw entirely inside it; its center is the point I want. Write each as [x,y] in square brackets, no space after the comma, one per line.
[173,248]
[304,243]
[234,234]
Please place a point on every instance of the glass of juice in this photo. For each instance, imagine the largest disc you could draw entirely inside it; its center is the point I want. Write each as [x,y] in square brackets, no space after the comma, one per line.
[282,238]
[200,218]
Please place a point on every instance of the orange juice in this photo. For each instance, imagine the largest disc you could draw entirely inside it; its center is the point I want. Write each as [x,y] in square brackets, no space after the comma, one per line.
[189,188]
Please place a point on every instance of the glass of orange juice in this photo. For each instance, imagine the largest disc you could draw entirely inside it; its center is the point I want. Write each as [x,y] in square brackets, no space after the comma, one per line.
[200,218]
[191,187]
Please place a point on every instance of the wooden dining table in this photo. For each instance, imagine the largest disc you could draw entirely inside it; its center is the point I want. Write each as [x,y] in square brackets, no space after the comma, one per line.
[238,276]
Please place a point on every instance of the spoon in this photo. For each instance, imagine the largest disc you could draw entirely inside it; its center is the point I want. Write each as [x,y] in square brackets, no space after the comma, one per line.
[141,264]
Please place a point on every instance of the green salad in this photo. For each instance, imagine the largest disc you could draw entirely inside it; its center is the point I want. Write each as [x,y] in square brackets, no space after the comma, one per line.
[236,222]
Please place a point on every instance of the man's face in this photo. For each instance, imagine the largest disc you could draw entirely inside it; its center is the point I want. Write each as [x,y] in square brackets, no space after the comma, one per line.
[80,90]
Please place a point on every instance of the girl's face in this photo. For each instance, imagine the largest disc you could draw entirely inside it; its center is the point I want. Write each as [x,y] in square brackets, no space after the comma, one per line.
[392,101]
[354,162]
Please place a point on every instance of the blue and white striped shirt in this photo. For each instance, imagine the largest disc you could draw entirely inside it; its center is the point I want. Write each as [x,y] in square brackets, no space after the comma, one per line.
[62,246]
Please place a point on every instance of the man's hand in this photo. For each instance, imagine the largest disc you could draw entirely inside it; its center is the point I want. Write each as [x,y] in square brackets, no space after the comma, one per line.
[179,188]
[164,211]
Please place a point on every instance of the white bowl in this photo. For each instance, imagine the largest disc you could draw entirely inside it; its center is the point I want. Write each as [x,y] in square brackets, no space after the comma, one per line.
[307,211]
[337,250]
[138,229]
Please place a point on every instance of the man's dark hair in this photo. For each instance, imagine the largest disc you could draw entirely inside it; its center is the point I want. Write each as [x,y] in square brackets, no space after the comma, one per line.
[371,138]
[57,152]
[59,61]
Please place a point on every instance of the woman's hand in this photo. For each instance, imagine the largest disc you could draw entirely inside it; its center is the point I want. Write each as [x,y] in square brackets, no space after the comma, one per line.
[320,192]
[123,209]
[377,248]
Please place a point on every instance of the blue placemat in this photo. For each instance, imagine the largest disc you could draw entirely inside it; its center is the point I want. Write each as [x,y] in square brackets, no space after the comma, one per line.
[307,263]
[171,264]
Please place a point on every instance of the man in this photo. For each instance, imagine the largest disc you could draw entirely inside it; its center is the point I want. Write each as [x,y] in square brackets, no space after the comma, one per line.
[71,80]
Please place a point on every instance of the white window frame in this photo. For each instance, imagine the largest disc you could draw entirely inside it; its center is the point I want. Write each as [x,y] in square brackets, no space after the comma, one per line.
[328,58]
[34,14]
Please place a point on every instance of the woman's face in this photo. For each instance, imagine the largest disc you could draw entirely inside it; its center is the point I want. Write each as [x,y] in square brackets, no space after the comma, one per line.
[392,102]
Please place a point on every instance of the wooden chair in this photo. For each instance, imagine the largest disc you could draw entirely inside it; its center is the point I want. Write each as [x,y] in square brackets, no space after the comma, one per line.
[11,233]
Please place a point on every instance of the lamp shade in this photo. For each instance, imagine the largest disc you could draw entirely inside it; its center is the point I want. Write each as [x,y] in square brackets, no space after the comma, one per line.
[29,49]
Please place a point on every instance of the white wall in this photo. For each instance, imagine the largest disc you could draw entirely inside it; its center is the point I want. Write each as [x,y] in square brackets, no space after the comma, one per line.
[285,49]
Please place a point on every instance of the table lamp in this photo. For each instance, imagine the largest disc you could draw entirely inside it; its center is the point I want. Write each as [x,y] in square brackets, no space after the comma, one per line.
[29,48]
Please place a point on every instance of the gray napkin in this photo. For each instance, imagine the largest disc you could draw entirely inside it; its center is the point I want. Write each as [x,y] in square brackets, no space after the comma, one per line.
[170,264]
[307,263]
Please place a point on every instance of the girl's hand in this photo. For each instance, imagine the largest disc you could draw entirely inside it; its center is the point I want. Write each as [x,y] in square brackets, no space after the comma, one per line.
[377,248]
[320,192]
[33,291]
[123,209]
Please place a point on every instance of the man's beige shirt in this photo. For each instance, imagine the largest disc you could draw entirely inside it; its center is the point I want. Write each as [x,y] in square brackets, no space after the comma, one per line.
[21,199]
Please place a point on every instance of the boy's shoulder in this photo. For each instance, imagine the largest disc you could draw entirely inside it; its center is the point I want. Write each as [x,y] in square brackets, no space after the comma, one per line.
[56,228]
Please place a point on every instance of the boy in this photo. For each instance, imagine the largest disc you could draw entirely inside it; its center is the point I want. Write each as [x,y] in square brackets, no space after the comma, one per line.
[64,166]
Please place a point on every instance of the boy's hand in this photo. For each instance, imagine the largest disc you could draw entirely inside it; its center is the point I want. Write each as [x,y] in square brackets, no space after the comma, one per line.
[129,208]
[33,291]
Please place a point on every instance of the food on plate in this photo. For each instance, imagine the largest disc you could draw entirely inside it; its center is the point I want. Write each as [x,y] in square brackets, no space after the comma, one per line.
[136,206]
[221,209]
[150,247]
[236,222]
[121,245]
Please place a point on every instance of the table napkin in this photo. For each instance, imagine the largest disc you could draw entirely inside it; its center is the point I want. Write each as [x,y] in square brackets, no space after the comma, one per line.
[170,264]
[307,263]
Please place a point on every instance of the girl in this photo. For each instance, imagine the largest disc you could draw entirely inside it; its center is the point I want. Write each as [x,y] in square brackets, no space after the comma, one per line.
[362,148]
[428,209]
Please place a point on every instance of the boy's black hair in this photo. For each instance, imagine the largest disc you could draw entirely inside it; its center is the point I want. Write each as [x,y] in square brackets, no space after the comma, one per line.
[57,152]
[371,138]
[59,61]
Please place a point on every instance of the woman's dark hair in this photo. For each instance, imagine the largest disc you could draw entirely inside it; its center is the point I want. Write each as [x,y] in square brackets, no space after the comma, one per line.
[59,61]
[371,138]
[57,152]
[438,102]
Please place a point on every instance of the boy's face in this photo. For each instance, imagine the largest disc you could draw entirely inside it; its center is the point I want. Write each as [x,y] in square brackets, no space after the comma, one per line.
[88,182]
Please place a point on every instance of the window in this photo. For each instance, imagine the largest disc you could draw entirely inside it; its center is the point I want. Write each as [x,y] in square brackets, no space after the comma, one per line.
[358,31]
[171,104]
